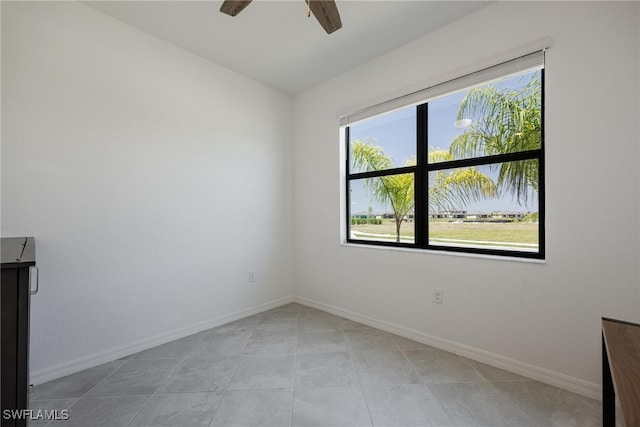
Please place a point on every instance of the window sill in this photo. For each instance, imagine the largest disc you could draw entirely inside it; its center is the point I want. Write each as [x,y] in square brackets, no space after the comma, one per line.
[446,253]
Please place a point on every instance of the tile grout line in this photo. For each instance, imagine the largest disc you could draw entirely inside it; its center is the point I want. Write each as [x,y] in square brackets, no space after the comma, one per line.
[173,371]
[426,384]
[225,389]
[94,386]
[353,365]
[295,362]
[483,380]
[98,383]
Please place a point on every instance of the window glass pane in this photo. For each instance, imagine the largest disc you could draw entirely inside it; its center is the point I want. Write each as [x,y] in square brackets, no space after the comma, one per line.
[491,207]
[383,142]
[501,117]
[382,208]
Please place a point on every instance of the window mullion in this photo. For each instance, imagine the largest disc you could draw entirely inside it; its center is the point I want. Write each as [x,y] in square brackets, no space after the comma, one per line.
[421,180]
[542,174]
[383,172]
[486,160]
[347,183]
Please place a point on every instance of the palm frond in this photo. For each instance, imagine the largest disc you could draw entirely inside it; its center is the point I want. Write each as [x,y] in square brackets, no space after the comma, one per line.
[436,155]
[504,121]
[367,157]
[456,189]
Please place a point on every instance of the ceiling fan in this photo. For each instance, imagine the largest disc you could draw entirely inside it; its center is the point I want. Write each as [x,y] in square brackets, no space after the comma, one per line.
[325,11]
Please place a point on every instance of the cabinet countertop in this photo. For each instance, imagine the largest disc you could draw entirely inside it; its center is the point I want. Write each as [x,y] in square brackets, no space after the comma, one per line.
[18,252]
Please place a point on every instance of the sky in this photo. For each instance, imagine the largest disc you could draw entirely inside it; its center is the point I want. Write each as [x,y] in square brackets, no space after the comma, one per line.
[395,133]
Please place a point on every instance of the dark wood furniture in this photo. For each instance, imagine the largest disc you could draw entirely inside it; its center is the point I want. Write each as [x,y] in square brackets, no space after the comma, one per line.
[18,257]
[620,372]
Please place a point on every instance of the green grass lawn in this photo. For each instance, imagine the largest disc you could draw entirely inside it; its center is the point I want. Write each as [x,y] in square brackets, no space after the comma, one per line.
[387,227]
[512,234]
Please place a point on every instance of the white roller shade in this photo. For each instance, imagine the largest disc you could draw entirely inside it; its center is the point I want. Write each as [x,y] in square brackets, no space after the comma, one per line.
[526,63]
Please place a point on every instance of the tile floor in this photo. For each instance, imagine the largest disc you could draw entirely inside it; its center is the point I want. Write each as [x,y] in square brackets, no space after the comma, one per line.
[297,366]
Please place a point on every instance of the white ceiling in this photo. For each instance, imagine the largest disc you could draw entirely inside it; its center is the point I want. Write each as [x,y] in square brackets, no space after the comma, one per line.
[275,43]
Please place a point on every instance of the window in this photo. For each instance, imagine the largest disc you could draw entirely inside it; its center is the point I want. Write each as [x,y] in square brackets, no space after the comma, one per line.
[461,169]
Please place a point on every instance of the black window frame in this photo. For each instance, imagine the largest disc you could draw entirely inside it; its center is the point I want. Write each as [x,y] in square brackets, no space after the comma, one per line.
[421,186]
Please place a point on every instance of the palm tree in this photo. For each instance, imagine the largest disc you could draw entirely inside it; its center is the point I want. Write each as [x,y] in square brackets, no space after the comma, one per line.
[504,120]
[396,190]
[448,190]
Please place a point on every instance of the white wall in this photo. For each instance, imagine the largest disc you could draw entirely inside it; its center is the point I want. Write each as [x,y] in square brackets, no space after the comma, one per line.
[152,180]
[542,316]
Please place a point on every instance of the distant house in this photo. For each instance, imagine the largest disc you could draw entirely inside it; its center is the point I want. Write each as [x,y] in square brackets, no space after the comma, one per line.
[512,215]
[462,214]
[478,215]
[458,214]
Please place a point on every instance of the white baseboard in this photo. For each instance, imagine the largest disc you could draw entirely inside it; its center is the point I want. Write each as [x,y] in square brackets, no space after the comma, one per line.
[538,373]
[95,359]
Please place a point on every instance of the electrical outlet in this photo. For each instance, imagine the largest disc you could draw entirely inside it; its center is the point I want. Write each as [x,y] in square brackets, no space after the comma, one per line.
[252,277]
[437,296]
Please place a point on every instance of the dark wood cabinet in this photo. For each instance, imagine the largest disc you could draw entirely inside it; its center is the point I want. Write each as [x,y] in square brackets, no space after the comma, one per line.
[18,256]
[620,372]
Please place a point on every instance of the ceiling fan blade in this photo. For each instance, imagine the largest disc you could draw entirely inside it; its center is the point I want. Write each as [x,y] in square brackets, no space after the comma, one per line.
[234,7]
[326,12]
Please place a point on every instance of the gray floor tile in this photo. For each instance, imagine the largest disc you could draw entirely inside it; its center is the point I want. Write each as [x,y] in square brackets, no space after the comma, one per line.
[206,374]
[221,344]
[182,409]
[176,349]
[491,373]
[249,408]
[136,377]
[308,309]
[325,370]
[404,405]
[407,344]
[369,339]
[347,324]
[127,357]
[548,405]
[75,385]
[319,321]
[437,366]
[384,367]
[52,405]
[106,411]
[275,315]
[479,404]
[263,342]
[277,321]
[330,407]
[574,410]
[321,341]
[255,372]
[292,307]
[246,324]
